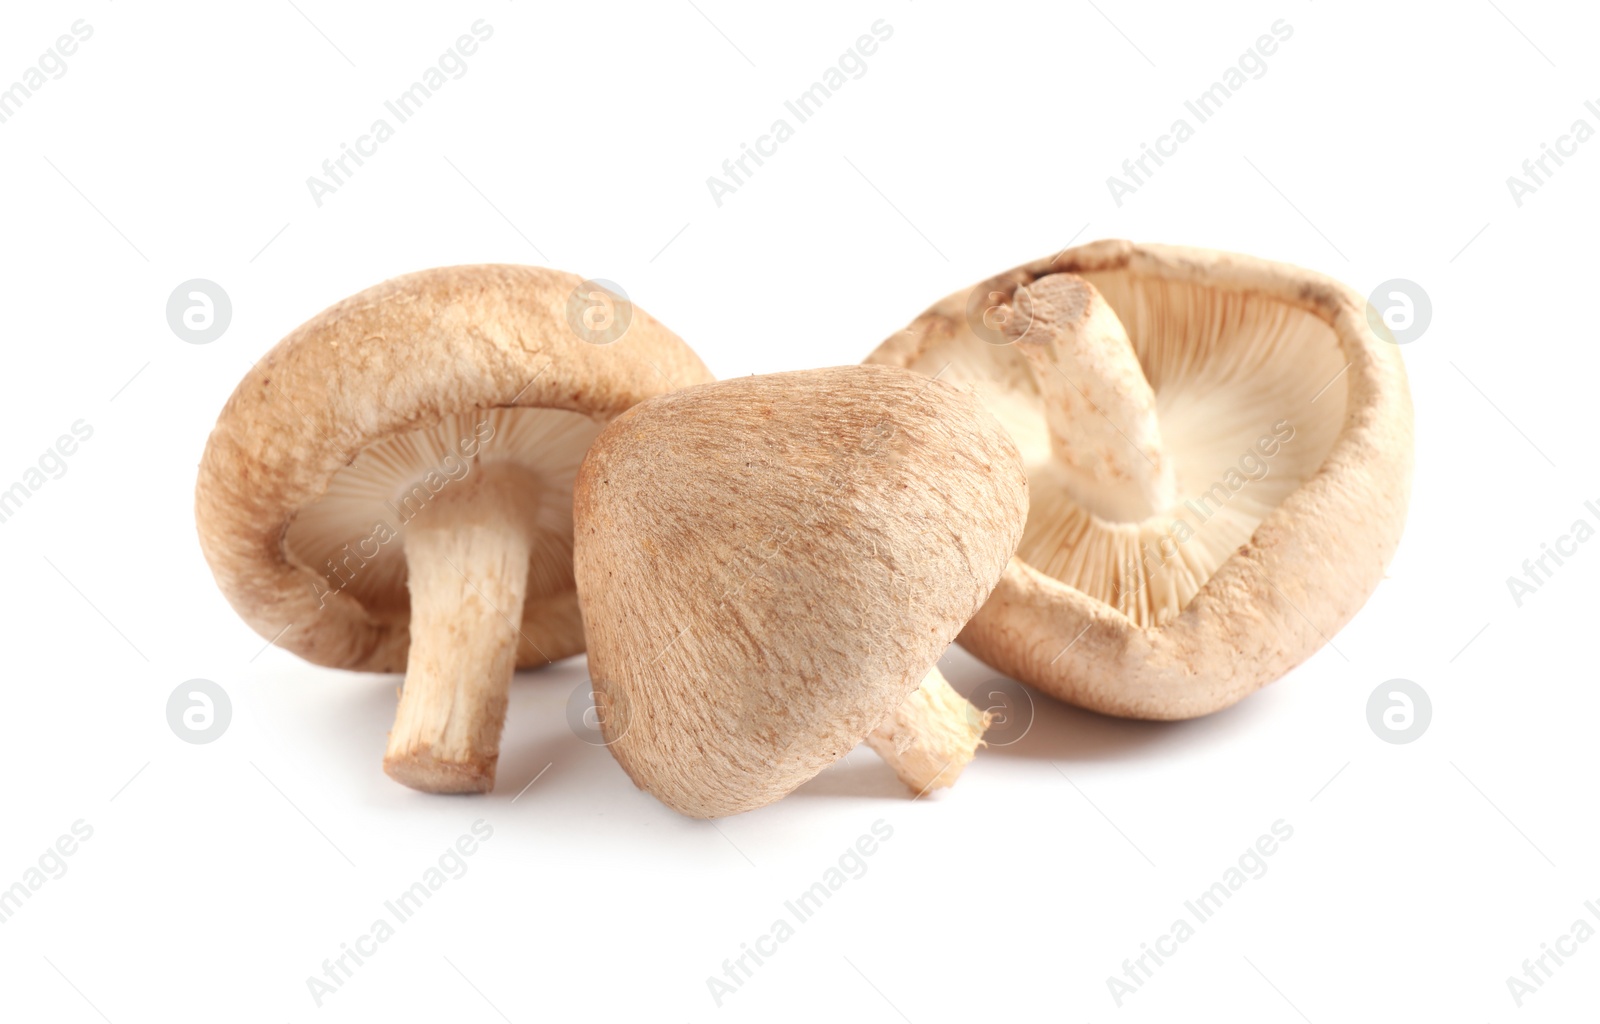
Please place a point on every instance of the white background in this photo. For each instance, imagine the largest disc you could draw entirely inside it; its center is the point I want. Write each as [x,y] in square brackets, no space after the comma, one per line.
[220,876]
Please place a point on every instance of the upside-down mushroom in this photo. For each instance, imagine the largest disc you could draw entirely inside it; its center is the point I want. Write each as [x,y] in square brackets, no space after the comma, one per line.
[391,489]
[1219,452]
[769,569]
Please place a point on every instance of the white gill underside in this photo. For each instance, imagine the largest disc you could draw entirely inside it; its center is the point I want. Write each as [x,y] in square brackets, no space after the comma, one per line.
[353,536]
[1228,371]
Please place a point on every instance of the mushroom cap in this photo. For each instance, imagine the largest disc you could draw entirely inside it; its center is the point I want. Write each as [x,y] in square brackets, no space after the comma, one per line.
[1265,571]
[769,566]
[339,416]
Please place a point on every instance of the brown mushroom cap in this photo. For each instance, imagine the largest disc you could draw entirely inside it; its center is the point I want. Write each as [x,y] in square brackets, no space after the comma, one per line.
[1281,426]
[770,567]
[418,393]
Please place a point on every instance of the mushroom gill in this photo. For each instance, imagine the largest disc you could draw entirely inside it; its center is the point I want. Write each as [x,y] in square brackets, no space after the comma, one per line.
[1246,397]
[352,537]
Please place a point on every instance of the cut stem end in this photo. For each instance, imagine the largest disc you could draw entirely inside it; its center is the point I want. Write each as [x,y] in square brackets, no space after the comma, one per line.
[931,737]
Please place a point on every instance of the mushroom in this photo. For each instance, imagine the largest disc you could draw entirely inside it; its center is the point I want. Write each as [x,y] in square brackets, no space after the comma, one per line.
[391,488]
[769,569]
[1219,453]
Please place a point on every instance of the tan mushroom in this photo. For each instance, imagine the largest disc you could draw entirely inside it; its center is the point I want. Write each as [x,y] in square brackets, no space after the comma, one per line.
[769,569]
[391,489]
[1219,451]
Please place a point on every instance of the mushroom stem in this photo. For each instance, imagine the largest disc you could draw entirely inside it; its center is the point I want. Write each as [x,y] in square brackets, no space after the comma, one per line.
[467,564]
[1100,408]
[931,736]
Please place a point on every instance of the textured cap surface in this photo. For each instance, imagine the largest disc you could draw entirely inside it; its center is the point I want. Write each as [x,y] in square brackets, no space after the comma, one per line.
[769,566]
